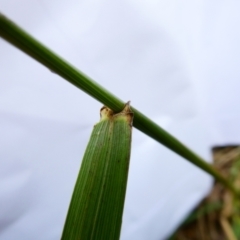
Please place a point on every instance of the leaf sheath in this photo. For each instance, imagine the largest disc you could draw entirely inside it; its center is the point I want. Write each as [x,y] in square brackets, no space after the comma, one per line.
[96,207]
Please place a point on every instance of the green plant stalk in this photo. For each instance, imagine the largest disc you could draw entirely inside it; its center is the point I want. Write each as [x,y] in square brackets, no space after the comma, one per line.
[22,40]
[96,208]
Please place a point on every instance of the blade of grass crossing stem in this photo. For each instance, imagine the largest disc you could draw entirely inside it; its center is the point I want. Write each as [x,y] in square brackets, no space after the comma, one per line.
[22,40]
[96,208]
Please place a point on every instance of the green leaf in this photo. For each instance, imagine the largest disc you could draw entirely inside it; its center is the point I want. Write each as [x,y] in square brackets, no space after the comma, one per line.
[97,203]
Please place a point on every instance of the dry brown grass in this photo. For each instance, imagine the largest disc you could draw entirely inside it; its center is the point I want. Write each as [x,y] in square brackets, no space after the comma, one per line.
[218,216]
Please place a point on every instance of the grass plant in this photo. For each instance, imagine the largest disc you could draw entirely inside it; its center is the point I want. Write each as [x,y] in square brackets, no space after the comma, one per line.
[23,41]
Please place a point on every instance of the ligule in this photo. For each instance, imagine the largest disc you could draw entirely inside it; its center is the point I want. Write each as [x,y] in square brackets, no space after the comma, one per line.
[97,202]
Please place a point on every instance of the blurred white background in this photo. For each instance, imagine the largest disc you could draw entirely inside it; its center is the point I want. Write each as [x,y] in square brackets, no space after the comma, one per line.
[180,62]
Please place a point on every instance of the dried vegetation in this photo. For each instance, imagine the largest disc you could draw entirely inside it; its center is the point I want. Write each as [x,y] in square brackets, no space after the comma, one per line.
[218,216]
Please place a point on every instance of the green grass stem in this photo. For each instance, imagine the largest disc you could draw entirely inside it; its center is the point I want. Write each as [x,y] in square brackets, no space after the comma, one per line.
[22,40]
